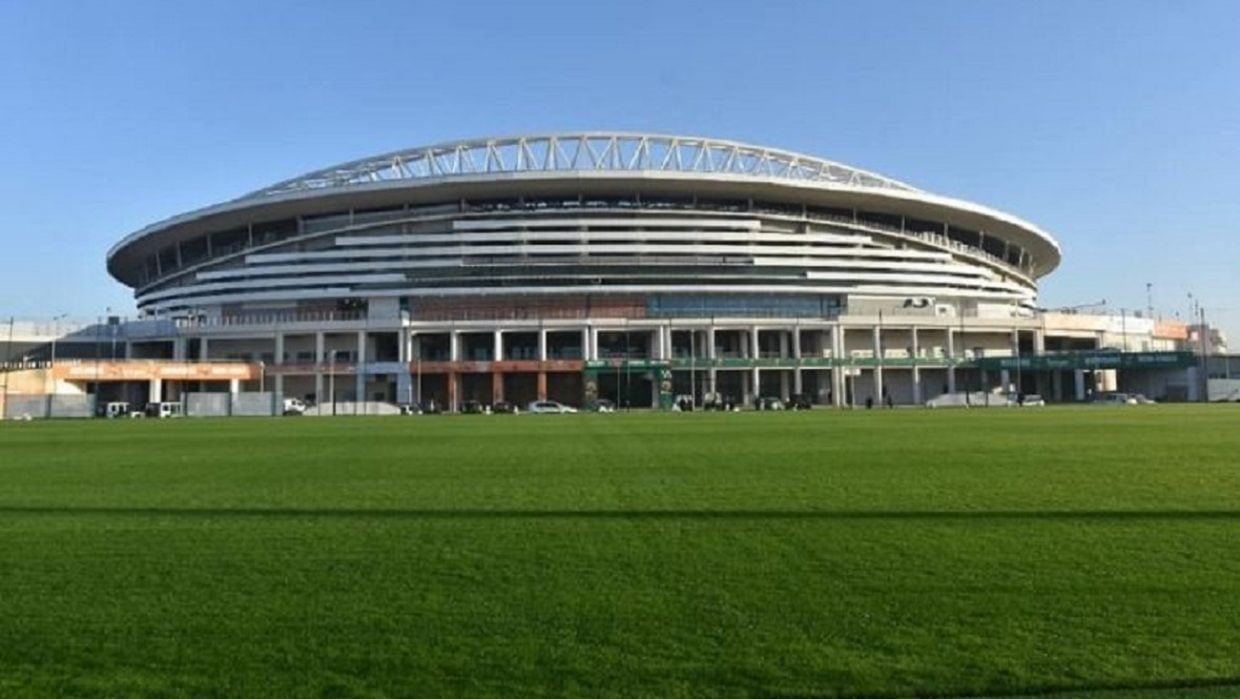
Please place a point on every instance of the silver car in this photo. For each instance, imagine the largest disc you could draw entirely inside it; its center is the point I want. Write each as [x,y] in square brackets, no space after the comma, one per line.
[549,406]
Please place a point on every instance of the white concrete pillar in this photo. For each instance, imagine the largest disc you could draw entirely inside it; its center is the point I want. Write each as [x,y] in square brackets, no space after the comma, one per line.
[783,343]
[879,396]
[1078,377]
[128,350]
[178,349]
[784,393]
[797,381]
[320,353]
[204,349]
[454,346]
[796,345]
[755,346]
[951,354]
[318,388]
[234,386]
[279,353]
[1039,342]
[917,398]
[156,391]
[594,352]
[497,352]
[585,344]
[359,379]
[756,379]
[916,346]
[542,345]
[402,346]
[710,343]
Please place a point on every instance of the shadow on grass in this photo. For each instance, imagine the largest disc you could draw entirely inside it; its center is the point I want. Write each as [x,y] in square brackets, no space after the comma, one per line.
[644,514]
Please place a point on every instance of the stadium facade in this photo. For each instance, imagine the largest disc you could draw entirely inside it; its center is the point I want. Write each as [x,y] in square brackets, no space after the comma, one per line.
[632,267]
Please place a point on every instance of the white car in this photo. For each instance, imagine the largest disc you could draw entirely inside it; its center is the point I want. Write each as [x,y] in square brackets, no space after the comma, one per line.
[549,406]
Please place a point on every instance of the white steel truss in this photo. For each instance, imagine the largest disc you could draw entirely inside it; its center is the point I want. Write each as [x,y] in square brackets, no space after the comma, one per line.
[587,151]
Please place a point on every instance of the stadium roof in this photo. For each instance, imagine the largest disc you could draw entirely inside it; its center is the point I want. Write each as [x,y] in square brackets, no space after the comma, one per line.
[586,151]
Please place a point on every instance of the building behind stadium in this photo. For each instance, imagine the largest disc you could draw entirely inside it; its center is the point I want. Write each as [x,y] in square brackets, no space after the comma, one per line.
[647,270]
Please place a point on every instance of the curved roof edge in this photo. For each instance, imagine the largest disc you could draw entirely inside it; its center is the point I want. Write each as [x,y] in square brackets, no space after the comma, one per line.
[1021,231]
[606,151]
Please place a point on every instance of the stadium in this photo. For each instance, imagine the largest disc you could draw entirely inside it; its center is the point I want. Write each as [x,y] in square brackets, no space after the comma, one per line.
[649,271]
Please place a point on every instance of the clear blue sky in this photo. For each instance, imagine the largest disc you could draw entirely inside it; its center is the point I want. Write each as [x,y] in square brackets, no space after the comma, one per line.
[1114,125]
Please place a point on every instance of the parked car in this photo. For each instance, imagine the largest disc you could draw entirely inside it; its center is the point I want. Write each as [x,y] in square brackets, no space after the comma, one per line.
[162,410]
[294,406]
[431,407]
[473,407]
[549,406]
[600,405]
[800,401]
[1031,400]
[1115,399]
[768,403]
[503,407]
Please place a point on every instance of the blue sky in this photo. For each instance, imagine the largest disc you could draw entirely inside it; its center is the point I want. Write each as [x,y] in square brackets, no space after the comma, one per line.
[1114,125]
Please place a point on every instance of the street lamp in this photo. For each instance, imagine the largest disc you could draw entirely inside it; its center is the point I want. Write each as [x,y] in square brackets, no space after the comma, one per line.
[55,334]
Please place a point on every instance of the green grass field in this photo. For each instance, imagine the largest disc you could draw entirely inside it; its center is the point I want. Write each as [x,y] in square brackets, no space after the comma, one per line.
[875,554]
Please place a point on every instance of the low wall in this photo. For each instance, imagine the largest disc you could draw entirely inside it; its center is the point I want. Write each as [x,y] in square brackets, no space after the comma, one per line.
[42,405]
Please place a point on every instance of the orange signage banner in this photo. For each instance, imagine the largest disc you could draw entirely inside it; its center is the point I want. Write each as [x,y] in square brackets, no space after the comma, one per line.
[146,369]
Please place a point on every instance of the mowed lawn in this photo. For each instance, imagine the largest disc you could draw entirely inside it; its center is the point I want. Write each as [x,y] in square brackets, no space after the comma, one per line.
[869,553]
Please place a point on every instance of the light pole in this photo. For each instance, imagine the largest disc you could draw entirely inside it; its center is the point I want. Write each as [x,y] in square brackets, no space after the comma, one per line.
[55,334]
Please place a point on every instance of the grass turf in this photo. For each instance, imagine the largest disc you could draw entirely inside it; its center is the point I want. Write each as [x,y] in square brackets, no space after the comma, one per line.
[880,553]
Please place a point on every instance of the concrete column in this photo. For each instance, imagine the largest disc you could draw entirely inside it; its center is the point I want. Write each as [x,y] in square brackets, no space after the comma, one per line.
[879,396]
[497,387]
[178,349]
[796,345]
[951,354]
[710,343]
[1078,377]
[797,381]
[585,344]
[320,349]
[498,352]
[542,345]
[453,385]
[278,385]
[917,397]
[234,386]
[128,350]
[359,381]
[837,372]
[454,346]
[756,382]
[756,350]
[204,349]
[1039,342]
[279,353]
[784,393]
[318,388]
[156,391]
[783,343]
[594,352]
[542,385]
[402,346]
